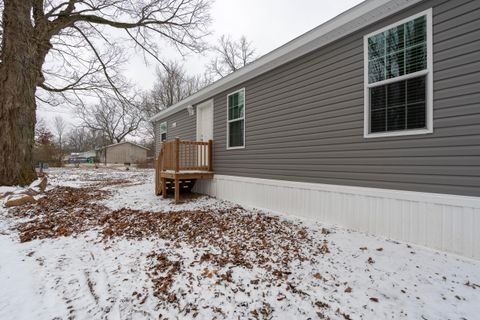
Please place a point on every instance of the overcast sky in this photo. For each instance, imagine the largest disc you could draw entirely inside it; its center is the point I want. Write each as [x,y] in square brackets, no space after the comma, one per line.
[268,24]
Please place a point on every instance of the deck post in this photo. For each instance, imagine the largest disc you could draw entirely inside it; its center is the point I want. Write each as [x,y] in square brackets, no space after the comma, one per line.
[164,187]
[177,190]
[157,177]
[210,155]
[177,154]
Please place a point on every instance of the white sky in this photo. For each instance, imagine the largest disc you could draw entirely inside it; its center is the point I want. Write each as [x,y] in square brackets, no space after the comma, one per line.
[268,24]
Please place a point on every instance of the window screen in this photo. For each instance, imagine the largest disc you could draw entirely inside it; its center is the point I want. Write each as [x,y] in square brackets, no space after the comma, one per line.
[236,119]
[397,68]
[163,131]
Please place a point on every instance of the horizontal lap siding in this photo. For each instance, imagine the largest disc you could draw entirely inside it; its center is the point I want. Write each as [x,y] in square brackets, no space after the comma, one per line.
[156,130]
[185,129]
[186,126]
[304,120]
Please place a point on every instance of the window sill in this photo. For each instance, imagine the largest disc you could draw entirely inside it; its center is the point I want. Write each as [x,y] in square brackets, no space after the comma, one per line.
[235,148]
[397,133]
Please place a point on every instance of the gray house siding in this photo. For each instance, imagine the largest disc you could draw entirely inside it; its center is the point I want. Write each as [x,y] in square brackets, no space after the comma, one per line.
[304,119]
[185,128]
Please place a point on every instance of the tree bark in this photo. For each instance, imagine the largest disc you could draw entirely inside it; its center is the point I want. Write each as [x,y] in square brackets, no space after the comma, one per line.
[19,75]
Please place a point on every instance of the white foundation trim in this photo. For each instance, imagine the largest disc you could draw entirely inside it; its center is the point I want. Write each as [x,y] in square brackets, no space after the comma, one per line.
[445,222]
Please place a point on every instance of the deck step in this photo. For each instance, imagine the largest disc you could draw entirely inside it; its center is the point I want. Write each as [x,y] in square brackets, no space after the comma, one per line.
[185,186]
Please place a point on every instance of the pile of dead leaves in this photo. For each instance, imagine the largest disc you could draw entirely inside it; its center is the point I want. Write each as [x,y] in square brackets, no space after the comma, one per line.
[241,237]
[220,237]
[163,273]
[63,211]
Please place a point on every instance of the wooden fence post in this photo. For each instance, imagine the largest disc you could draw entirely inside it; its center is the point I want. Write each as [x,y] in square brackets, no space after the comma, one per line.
[177,154]
[210,155]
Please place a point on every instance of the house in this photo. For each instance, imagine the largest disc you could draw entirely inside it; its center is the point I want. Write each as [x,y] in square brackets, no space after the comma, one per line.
[370,121]
[123,153]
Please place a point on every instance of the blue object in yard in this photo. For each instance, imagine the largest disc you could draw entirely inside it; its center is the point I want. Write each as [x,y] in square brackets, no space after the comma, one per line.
[41,166]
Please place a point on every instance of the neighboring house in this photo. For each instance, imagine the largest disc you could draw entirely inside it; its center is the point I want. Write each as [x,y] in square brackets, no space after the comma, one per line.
[123,153]
[370,121]
[82,157]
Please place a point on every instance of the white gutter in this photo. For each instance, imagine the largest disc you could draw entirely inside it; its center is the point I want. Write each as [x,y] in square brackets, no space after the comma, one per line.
[354,19]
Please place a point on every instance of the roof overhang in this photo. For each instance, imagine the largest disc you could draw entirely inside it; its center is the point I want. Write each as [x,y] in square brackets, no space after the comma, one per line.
[124,142]
[354,19]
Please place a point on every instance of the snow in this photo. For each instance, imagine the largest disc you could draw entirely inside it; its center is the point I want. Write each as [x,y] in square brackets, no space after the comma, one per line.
[187,171]
[5,189]
[84,276]
[142,197]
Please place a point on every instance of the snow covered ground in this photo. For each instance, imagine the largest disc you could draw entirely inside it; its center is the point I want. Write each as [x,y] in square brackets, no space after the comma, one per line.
[132,255]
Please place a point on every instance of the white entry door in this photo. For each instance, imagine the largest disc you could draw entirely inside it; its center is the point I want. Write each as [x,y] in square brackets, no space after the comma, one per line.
[205,121]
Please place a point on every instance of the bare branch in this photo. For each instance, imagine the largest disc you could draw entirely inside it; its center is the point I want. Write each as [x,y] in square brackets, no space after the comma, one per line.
[115,119]
[231,56]
[83,59]
[172,85]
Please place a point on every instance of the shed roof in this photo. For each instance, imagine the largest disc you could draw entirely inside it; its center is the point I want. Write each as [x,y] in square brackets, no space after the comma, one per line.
[117,144]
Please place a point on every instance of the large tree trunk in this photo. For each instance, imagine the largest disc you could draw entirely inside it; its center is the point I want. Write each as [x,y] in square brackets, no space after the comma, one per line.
[19,74]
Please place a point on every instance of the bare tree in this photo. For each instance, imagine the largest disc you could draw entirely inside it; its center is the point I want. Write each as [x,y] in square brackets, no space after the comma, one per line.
[59,125]
[169,86]
[40,126]
[172,84]
[231,55]
[56,50]
[114,118]
[81,139]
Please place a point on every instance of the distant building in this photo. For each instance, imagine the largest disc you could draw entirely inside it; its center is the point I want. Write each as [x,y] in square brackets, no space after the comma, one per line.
[123,152]
[90,156]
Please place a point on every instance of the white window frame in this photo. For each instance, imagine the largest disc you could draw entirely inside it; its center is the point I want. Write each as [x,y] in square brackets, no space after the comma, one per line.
[229,121]
[429,81]
[160,129]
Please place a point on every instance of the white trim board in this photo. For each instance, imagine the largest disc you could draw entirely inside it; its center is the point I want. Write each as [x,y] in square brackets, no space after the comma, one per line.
[445,222]
[203,107]
[358,17]
[428,72]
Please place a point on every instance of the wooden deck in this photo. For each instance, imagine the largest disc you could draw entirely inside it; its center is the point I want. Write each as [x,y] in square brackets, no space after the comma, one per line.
[180,163]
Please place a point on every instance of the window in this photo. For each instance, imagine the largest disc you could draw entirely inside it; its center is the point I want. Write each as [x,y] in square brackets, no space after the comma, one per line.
[398,78]
[163,131]
[236,119]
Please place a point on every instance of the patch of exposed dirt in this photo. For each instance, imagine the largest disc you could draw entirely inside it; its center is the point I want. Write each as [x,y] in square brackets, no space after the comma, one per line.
[101,183]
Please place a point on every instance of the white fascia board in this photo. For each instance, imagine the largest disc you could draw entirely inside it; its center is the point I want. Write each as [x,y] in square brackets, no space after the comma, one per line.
[354,19]
[124,142]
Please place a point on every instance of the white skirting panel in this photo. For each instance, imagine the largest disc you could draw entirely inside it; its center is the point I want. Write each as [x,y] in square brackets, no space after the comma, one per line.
[445,222]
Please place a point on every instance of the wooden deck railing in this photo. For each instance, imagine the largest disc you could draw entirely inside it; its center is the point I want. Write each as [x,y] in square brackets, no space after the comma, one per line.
[178,155]
[179,159]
